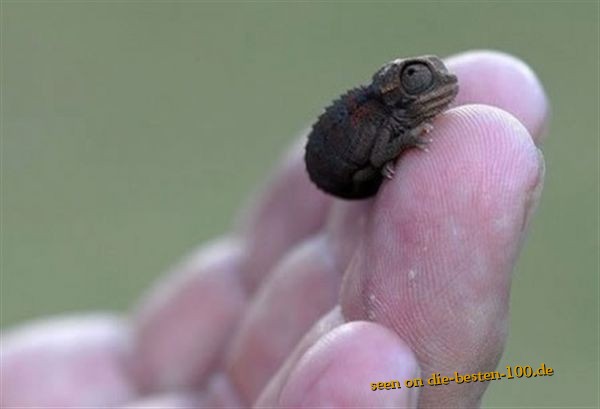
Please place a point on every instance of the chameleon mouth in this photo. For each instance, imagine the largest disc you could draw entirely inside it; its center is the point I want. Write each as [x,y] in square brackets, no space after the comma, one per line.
[436,102]
[439,107]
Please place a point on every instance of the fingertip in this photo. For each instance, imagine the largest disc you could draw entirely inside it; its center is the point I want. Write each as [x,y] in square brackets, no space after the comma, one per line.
[339,370]
[480,155]
[504,81]
[200,299]
[69,361]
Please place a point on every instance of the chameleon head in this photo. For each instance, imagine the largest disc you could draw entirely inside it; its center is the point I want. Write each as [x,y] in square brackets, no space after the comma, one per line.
[422,86]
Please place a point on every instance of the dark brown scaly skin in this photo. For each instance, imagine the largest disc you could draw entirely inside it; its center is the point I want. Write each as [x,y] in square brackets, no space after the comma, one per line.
[357,138]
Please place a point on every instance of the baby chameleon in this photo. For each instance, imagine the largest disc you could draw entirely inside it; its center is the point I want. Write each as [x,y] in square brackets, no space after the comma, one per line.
[356,141]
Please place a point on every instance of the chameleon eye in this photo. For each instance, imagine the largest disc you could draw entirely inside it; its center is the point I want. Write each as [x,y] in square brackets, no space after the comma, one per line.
[416,78]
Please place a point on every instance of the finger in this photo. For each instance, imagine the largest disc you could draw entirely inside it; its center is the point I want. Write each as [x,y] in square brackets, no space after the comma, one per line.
[440,244]
[502,80]
[182,326]
[299,291]
[69,362]
[339,368]
[216,393]
[287,210]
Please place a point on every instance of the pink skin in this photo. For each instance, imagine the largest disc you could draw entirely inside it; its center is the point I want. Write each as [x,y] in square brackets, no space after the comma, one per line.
[312,298]
[75,361]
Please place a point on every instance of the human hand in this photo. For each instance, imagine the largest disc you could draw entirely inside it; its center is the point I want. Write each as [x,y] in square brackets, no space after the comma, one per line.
[310,300]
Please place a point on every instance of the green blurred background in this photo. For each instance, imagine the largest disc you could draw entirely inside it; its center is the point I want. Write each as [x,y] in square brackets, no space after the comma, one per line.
[131,132]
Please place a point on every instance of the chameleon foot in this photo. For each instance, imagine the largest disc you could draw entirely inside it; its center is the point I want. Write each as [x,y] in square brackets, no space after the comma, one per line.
[426,128]
[416,136]
[388,170]
[423,144]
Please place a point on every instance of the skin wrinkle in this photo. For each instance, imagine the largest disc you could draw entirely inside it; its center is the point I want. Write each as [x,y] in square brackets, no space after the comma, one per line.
[516,128]
[421,262]
[464,294]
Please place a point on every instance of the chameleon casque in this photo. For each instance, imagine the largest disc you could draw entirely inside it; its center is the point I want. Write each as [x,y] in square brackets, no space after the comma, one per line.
[355,142]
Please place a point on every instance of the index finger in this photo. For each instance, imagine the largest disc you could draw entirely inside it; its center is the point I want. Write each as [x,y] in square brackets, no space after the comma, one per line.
[440,243]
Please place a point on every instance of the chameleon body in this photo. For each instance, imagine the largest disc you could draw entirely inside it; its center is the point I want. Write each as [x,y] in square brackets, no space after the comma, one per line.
[355,142]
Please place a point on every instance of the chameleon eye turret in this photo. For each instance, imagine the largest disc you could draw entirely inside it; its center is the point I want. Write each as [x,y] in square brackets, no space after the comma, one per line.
[416,78]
